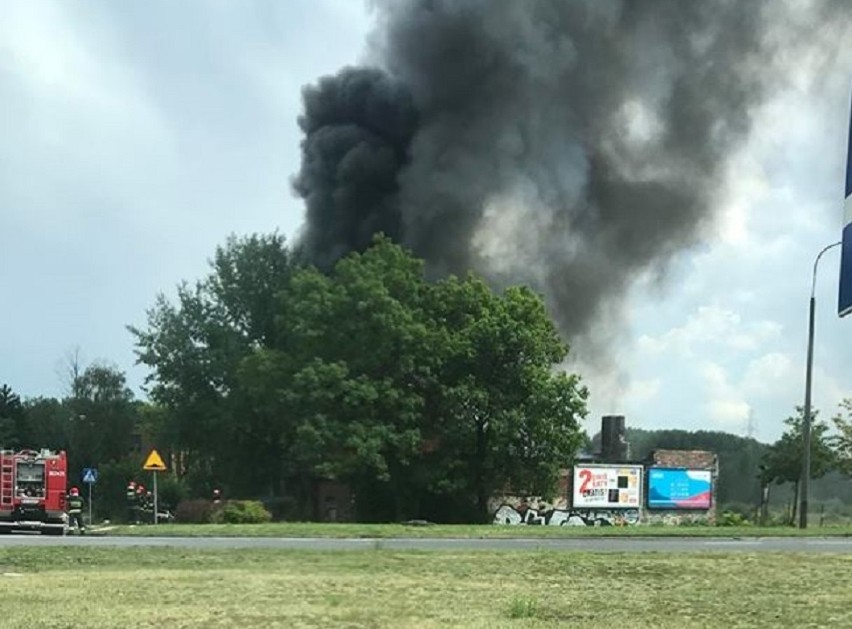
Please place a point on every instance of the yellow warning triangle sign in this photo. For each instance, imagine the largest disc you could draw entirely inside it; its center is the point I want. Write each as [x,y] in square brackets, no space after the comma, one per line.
[154,462]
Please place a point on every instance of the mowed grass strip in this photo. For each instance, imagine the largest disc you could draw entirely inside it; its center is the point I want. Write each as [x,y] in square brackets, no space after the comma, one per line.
[162,587]
[481,531]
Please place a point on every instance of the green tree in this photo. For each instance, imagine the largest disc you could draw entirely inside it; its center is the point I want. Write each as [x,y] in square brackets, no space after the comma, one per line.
[101,420]
[343,387]
[47,424]
[12,427]
[502,415]
[195,349]
[739,458]
[842,441]
[782,463]
[407,390]
[421,395]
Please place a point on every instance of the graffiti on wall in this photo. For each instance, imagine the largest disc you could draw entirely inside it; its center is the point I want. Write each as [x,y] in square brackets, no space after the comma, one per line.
[547,516]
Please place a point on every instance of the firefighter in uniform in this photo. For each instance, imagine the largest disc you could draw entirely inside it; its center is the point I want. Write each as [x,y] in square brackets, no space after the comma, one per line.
[75,510]
[132,503]
[142,504]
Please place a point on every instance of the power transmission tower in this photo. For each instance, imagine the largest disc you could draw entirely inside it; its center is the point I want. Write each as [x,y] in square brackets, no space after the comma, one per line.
[751,424]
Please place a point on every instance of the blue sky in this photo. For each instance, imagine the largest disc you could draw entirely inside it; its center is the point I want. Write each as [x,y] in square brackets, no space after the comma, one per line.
[134,138]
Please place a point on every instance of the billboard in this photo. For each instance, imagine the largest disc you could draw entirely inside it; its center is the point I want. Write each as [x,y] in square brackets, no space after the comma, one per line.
[677,488]
[607,486]
[844,302]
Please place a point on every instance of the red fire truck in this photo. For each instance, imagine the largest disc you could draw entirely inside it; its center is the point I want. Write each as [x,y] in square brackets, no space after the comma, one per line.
[32,491]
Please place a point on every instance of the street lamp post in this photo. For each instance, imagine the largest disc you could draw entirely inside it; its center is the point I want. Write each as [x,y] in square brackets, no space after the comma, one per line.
[806,425]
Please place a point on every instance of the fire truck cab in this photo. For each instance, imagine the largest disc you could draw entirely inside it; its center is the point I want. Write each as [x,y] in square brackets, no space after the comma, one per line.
[32,491]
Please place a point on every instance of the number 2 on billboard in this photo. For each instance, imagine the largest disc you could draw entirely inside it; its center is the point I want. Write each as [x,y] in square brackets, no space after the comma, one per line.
[586,475]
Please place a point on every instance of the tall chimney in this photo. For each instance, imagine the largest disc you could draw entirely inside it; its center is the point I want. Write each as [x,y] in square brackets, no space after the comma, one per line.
[613,442]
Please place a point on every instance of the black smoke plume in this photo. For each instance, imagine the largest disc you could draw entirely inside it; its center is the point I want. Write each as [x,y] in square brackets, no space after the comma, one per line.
[570,144]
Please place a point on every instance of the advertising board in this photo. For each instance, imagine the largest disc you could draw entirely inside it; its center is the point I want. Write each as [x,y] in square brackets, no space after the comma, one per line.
[607,486]
[678,488]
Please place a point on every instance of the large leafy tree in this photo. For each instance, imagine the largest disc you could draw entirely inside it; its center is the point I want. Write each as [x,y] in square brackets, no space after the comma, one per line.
[344,385]
[101,418]
[410,391]
[427,397]
[501,415]
[782,462]
[195,348]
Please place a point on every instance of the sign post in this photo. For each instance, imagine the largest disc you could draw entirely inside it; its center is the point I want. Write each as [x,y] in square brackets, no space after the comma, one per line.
[90,477]
[154,463]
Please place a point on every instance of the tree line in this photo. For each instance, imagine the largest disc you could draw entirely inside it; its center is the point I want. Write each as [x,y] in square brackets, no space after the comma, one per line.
[422,396]
[754,476]
[269,376]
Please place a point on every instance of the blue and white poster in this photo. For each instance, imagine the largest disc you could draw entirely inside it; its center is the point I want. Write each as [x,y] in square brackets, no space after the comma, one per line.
[670,488]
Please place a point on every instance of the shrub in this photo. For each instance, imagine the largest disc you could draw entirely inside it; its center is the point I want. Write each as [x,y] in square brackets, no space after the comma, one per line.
[730,518]
[284,508]
[171,491]
[747,511]
[194,511]
[108,500]
[523,608]
[242,512]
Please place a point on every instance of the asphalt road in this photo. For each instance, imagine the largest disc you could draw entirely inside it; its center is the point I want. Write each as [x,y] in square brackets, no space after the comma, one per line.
[597,545]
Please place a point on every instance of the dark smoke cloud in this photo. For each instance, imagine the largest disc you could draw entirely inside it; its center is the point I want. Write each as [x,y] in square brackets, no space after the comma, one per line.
[571,144]
[358,127]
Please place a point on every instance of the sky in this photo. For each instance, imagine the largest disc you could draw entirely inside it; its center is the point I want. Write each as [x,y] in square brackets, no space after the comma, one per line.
[136,137]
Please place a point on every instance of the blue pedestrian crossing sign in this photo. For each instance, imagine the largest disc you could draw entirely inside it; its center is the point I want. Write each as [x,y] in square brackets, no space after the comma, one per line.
[90,475]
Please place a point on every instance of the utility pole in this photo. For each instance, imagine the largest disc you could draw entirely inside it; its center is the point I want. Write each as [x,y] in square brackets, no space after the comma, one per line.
[806,424]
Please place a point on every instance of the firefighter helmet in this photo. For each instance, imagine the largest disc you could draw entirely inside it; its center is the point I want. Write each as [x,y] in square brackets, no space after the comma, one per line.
[75,491]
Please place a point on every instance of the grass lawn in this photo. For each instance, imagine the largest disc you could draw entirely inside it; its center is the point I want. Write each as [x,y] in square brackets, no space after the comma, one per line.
[160,587]
[312,529]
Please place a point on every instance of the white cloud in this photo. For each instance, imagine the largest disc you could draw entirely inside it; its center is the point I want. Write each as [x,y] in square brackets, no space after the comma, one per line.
[711,326]
[643,391]
[729,415]
[723,402]
[770,374]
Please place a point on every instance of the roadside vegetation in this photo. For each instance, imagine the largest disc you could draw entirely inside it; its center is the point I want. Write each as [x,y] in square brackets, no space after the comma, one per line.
[370,392]
[164,587]
[489,531]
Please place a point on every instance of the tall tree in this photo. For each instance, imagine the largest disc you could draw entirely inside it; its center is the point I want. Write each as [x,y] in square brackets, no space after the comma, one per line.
[343,387]
[842,440]
[47,424]
[101,419]
[195,349]
[12,428]
[782,462]
[425,393]
[405,389]
[503,416]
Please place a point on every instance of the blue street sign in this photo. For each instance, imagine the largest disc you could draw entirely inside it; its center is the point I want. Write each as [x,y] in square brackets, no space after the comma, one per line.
[844,303]
[90,475]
